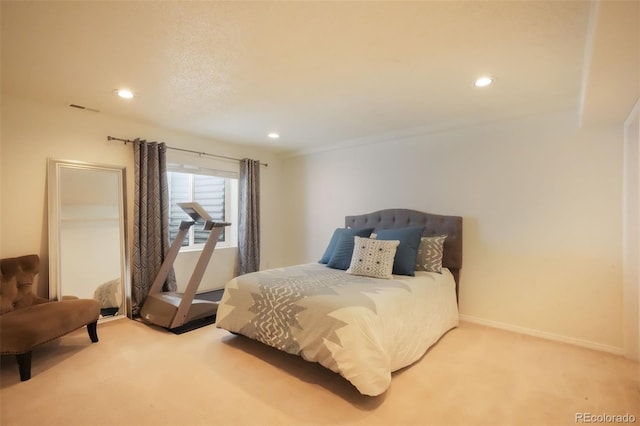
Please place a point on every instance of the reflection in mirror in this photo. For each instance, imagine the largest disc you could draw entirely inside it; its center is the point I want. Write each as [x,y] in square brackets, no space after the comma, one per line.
[87,235]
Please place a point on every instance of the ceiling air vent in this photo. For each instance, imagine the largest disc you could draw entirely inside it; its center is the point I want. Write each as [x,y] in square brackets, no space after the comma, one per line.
[83,107]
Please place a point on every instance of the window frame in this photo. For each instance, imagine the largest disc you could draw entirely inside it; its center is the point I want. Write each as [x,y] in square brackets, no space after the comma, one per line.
[231,203]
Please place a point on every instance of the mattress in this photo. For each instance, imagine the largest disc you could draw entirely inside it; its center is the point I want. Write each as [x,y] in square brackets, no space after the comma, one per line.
[359,327]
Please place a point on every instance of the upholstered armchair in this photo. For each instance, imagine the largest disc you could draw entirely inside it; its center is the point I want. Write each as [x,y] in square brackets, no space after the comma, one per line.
[27,321]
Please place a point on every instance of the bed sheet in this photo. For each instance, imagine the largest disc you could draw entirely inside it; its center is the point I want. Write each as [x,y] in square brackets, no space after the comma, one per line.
[359,327]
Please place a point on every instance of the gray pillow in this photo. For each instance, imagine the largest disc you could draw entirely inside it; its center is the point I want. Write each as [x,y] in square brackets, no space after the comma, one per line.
[430,254]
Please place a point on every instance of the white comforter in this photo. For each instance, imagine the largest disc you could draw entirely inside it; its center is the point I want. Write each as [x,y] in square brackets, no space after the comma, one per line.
[362,328]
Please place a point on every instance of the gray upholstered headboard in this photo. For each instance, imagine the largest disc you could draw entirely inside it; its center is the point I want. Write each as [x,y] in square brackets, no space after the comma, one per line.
[434,225]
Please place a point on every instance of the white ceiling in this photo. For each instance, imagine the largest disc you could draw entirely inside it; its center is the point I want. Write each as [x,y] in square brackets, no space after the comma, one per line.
[323,74]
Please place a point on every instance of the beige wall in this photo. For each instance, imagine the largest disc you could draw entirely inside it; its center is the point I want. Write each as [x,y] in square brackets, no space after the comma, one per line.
[32,132]
[631,234]
[541,202]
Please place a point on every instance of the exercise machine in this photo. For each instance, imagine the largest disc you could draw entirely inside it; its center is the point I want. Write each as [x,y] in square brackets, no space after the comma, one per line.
[172,309]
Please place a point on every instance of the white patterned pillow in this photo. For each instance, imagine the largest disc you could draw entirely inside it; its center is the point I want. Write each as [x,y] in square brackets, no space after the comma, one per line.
[430,254]
[373,258]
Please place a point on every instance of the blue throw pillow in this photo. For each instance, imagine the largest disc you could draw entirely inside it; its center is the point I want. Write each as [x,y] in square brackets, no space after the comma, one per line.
[350,232]
[343,252]
[407,251]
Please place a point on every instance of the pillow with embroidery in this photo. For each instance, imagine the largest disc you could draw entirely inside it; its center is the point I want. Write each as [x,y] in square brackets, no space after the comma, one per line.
[430,252]
[373,258]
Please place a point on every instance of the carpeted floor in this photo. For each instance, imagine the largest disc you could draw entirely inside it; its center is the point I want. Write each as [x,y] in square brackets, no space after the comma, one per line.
[142,375]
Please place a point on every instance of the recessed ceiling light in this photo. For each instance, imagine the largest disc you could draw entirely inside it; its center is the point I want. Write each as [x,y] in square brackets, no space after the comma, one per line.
[273,135]
[124,93]
[483,81]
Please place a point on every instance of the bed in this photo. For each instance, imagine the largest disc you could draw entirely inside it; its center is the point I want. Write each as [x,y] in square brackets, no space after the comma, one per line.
[368,320]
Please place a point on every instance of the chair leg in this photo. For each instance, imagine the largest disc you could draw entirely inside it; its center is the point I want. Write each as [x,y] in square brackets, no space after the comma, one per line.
[92,328]
[24,365]
[24,360]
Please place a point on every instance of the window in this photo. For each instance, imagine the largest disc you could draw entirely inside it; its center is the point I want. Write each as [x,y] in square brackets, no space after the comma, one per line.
[217,193]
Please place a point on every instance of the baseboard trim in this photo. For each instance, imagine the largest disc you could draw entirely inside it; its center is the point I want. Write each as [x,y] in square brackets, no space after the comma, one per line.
[544,335]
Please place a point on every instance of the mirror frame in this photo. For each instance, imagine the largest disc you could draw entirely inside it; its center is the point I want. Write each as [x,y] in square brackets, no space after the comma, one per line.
[54,167]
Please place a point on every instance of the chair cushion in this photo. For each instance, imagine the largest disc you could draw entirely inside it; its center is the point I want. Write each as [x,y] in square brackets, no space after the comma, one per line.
[17,275]
[25,328]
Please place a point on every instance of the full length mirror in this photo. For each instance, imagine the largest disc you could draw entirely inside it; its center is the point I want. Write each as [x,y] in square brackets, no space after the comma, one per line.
[87,235]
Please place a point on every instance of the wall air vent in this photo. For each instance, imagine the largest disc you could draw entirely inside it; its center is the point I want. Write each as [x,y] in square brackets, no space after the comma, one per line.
[83,107]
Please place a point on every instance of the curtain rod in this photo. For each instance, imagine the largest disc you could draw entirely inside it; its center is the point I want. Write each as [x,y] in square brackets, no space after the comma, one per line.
[126,141]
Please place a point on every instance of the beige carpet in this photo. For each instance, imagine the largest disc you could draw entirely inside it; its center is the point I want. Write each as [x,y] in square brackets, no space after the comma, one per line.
[140,375]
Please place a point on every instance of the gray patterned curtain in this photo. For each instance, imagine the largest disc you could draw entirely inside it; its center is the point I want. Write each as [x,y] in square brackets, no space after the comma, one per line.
[249,221]
[151,219]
